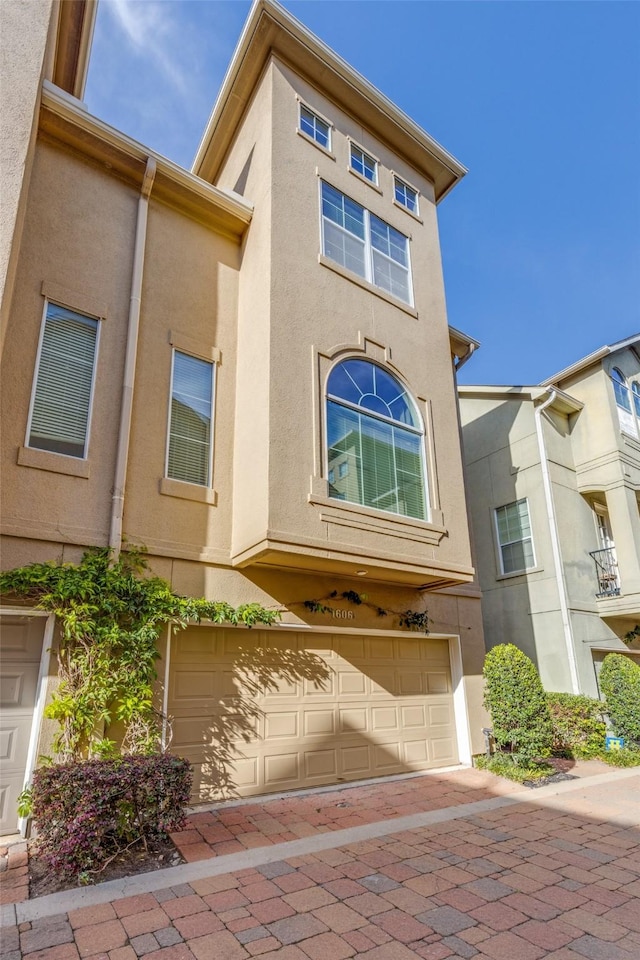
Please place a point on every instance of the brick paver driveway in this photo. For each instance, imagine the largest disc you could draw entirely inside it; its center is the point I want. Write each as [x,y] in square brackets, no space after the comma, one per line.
[553,873]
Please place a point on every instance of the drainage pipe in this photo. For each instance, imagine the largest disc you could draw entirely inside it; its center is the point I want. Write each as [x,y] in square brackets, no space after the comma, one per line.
[555,543]
[126,408]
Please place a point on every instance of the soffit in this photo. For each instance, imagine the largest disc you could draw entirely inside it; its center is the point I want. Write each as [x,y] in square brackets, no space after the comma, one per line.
[272,32]
[63,120]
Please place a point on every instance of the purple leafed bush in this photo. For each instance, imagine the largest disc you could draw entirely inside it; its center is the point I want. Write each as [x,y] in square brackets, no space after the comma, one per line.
[86,812]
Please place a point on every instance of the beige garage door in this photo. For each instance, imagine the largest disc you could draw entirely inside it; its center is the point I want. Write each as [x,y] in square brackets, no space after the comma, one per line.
[263,711]
[20,649]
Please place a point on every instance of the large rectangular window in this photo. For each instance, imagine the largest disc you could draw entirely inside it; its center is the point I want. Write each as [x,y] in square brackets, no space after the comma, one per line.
[514,537]
[61,404]
[361,242]
[189,453]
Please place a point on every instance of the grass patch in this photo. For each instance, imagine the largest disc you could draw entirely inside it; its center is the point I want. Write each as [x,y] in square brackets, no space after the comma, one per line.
[621,758]
[502,765]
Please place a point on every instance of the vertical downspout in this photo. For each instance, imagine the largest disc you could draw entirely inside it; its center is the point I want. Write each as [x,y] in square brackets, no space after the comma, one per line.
[124,433]
[555,543]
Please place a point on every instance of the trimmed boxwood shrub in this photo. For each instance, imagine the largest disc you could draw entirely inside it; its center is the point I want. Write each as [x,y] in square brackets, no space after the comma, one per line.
[86,812]
[517,703]
[578,725]
[620,683]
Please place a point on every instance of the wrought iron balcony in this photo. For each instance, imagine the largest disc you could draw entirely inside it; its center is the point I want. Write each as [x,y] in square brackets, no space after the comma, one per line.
[606,572]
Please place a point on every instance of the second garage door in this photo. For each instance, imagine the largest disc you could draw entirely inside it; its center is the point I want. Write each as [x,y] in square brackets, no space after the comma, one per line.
[264,711]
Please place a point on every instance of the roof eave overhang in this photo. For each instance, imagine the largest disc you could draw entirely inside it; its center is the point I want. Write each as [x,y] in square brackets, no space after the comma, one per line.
[66,120]
[562,402]
[632,342]
[270,31]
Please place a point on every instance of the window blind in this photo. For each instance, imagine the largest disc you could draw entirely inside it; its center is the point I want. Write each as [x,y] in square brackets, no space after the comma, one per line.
[62,396]
[189,457]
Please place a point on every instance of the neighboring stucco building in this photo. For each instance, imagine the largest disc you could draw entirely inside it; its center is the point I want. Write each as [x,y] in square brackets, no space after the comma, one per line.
[553,474]
[247,368]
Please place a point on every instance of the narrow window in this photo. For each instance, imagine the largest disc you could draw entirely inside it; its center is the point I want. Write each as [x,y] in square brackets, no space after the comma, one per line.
[635,389]
[315,127]
[363,164]
[61,404]
[514,537]
[623,395]
[375,440]
[405,195]
[621,390]
[189,453]
[364,244]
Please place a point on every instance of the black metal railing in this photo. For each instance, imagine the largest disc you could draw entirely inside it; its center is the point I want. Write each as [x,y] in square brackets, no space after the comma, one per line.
[606,572]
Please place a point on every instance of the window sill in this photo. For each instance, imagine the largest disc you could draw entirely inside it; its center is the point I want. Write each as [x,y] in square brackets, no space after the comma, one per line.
[519,573]
[188,491]
[369,183]
[53,462]
[378,291]
[401,206]
[346,513]
[314,143]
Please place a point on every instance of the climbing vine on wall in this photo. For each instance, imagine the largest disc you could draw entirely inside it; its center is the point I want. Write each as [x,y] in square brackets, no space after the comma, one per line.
[411,619]
[110,614]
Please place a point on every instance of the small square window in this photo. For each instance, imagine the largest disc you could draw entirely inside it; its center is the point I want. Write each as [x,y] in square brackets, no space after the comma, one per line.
[405,195]
[343,469]
[363,164]
[315,127]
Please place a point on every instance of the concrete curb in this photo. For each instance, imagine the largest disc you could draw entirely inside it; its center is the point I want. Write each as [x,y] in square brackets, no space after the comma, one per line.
[67,900]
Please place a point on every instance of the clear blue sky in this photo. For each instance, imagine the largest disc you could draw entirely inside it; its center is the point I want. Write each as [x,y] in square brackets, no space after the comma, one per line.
[540,100]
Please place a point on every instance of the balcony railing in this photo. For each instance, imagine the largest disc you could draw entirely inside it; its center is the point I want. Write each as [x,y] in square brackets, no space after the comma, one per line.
[606,572]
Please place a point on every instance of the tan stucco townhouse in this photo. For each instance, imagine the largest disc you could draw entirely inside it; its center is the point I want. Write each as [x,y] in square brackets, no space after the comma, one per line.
[247,368]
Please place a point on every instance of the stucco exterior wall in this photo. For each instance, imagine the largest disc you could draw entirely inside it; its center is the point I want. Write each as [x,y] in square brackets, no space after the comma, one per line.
[24,28]
[83,262]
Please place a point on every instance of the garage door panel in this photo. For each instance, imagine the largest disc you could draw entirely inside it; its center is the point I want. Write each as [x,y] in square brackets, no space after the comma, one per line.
[319,723]
[410,683]
[281,724]
[443,750]
[416,751]
[438,682]
[321,763]
[353,718]
[368,717]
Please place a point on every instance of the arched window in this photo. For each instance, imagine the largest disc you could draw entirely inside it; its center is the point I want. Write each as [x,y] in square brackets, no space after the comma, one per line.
[621,389]
[375,441]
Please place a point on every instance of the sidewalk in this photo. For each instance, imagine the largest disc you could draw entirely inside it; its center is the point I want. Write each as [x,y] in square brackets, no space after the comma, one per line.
[553,872]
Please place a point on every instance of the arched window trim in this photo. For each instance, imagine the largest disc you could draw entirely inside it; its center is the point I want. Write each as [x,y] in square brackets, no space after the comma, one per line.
[419,431]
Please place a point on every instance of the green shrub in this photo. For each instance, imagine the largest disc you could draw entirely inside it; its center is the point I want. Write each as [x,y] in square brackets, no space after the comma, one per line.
[621,758]
[517,703]
[620,683]
[578,725]
[85,813]
[503,766]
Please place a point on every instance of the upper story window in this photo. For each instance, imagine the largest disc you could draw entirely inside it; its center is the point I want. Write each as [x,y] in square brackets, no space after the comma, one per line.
[375,440]
[190,419]
[63,389]
[364,164]
[361,242]
[514,537]
[623,402]
[635,389]
[405,195]
[315,127]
